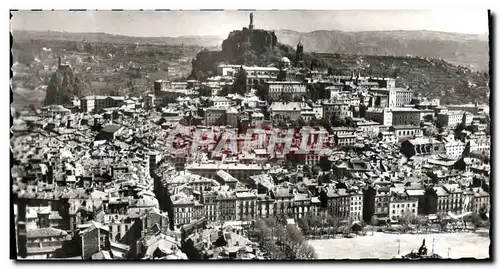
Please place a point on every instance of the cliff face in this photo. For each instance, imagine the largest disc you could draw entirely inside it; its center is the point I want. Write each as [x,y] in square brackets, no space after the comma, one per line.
[245,47]
[63,84]
[238,42]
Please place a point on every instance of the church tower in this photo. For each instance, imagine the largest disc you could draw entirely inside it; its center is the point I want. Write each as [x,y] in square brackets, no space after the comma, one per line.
[299,55]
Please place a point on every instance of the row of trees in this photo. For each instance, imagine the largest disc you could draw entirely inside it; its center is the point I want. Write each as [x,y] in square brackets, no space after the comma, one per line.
[337,121]
[281,241]
[442,222]
[314,226]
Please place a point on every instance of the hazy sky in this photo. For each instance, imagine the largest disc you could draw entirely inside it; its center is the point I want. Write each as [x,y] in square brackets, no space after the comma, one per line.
[176,23]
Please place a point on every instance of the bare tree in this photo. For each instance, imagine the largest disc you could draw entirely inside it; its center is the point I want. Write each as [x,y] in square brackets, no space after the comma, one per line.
[306,252]
[404,221]
[373,222]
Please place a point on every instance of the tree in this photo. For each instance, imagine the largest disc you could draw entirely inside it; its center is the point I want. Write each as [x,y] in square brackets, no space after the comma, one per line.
[225,90]
[337,121]
[300,123]
[221,241]
[349,226]
[297,99]
[324,163]
[306,169]
[304,226]
[483,210]
[362,110]
[368,203]
[349,122]
[306,252]
[312,93]
[262,91]
[431,131]
[404,221]
[459,129]
[314,223]
[418,221]
[373,222]
[327,124]
[430,201]
[333,224]
[281,235]
[426,223]
[443,223]
[429,118]
[240,83]
[356,227]
[286,98]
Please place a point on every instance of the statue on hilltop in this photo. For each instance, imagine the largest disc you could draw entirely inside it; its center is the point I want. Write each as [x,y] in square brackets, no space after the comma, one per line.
[250,26]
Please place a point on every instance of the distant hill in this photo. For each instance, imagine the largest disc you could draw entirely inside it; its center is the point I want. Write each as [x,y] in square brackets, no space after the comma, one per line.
[430,77]
[200,41]
[461,49]
[426,75]
[411,56]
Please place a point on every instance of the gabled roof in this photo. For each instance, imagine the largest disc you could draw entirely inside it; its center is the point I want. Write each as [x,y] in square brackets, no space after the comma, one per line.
[91,226]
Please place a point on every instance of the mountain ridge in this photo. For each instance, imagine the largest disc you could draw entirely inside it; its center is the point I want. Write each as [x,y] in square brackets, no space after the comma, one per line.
[188,40]
[470,50]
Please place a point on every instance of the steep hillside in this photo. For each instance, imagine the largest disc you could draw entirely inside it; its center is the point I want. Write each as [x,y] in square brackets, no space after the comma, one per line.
[63,84]
[460,49]
[430,77]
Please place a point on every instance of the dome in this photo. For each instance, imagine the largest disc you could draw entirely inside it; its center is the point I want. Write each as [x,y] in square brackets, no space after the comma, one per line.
[285,60]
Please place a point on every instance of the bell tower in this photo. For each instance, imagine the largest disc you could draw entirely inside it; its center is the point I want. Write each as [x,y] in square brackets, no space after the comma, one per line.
[299,55]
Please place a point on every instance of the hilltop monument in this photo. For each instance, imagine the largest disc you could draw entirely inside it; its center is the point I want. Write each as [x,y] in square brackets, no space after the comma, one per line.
[250,26]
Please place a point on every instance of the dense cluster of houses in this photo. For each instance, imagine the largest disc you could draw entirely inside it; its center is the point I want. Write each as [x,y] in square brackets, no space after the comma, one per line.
[118,177]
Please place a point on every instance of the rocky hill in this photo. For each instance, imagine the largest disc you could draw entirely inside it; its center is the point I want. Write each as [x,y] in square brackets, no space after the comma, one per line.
[63,84]
[429,76]
[460,49]
[256,47]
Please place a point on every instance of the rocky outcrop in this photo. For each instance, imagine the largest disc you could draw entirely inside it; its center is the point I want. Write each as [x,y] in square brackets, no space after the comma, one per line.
[64,84]
[245,47]
[238,42]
